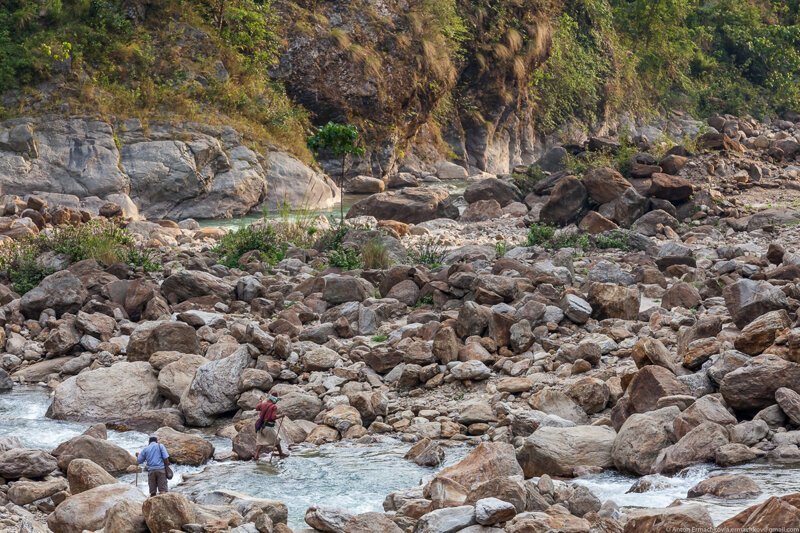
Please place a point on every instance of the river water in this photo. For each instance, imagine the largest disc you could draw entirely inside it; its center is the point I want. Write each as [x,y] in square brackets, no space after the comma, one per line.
[357,477]
[456,188]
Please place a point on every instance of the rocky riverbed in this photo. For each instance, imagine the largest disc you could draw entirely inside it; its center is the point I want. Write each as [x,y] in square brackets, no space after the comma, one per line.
[634,370]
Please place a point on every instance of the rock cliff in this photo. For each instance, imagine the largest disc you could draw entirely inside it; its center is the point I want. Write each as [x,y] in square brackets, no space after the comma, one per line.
[186,171]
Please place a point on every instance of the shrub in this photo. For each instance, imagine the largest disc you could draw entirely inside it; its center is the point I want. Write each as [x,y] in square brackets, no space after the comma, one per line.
[332,238]
[375,255]
[527,180]
[258,237]
[539,234]
[611,239]
[379,338]
[430,253]
[346,258]
[101,240]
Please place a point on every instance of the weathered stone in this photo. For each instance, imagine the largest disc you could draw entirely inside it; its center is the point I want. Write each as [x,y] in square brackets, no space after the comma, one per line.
[85,474]
[709,408]
[62,292]
[555,402]
[604,184]
[642,438]
[185,449]
[759,334]
[726,486]
[163,335]
[614,301]
[748,299]
[188,284]
[164,513]
[490,511]
[87,510]
[668,187]
[698,446]
[426,453]
[488,461]
[447,520]
[25,492]
[107,455]
[492,189]
[789,402]
[106,394]
[214,388]
[566,204]
[669,518]
[410,205]
[558,451]
[650,384]
[753,386]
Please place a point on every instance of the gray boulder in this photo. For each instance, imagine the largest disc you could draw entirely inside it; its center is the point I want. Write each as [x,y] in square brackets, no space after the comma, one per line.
[214,388]
[62,292]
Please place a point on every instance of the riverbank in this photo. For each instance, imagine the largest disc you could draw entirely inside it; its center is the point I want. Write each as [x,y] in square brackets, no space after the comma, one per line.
[578,330]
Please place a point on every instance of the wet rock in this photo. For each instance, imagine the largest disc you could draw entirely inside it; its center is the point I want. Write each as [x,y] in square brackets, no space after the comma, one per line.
[736,454]
[558,451]
[328,518]
[488,461]
[426,453]
[87,510]
[726,486]
[106,394]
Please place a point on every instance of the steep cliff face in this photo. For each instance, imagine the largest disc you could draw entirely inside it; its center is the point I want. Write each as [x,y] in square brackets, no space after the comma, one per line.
[169,171]
[381,64]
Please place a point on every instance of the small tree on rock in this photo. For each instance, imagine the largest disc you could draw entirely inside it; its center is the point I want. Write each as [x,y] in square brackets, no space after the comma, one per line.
[340,140]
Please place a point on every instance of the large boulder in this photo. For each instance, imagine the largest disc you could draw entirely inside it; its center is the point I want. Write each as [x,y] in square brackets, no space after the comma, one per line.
[641,439]
[488,461]
[125,516]
[214,388]
[448,520]
[412,205]
[749,299]
[650,384]
[752,387]
[293,183]
[85,474]
[726,486]
[668,187]
[188,284]
[566,203]
[674,518]
[23,462]
[105,454]
[63,292]
[709,408]
[700,445]
[609,300]
[759,334]
[605,184]
[184,448]
[343,289]
[557,451]
[25,492]
[774,514]
[161,335]
[106,394]
[87,510]
[176,377]
[300,406]
[492,189]
[168,512]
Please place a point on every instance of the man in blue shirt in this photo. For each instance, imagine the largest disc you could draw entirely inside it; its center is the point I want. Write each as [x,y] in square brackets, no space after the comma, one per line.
[157,459]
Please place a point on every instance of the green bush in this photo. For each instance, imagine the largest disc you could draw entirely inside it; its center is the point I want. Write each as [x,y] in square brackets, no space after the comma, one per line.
[260,238]
[375,255]
[540,234]
[101,240]
[611,240]
[430,253]
[346,258]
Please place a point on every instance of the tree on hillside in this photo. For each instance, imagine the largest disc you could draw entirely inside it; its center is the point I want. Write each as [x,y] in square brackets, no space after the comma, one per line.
[340,140]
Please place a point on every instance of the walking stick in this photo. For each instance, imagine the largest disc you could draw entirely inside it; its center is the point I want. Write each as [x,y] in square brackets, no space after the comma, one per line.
[278,439]
[137,476]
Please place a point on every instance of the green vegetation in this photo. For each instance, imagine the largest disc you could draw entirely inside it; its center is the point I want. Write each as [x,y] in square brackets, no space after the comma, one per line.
[430,253]
[346,258]
[424,300]
[204,60]
[26,264]
[550,238]
[646,56]
[379,338]
[500,249]
[619,159]
[339,140]
[374,255]
[527,181]
[260,238]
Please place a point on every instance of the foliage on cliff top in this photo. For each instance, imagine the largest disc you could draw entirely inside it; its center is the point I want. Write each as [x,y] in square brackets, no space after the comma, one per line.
[199,60]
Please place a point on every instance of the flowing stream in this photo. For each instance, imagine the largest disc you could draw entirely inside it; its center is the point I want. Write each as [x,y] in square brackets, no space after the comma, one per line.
[358,477]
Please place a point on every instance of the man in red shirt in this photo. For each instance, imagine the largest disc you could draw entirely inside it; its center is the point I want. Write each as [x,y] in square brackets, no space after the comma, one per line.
[266,434]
